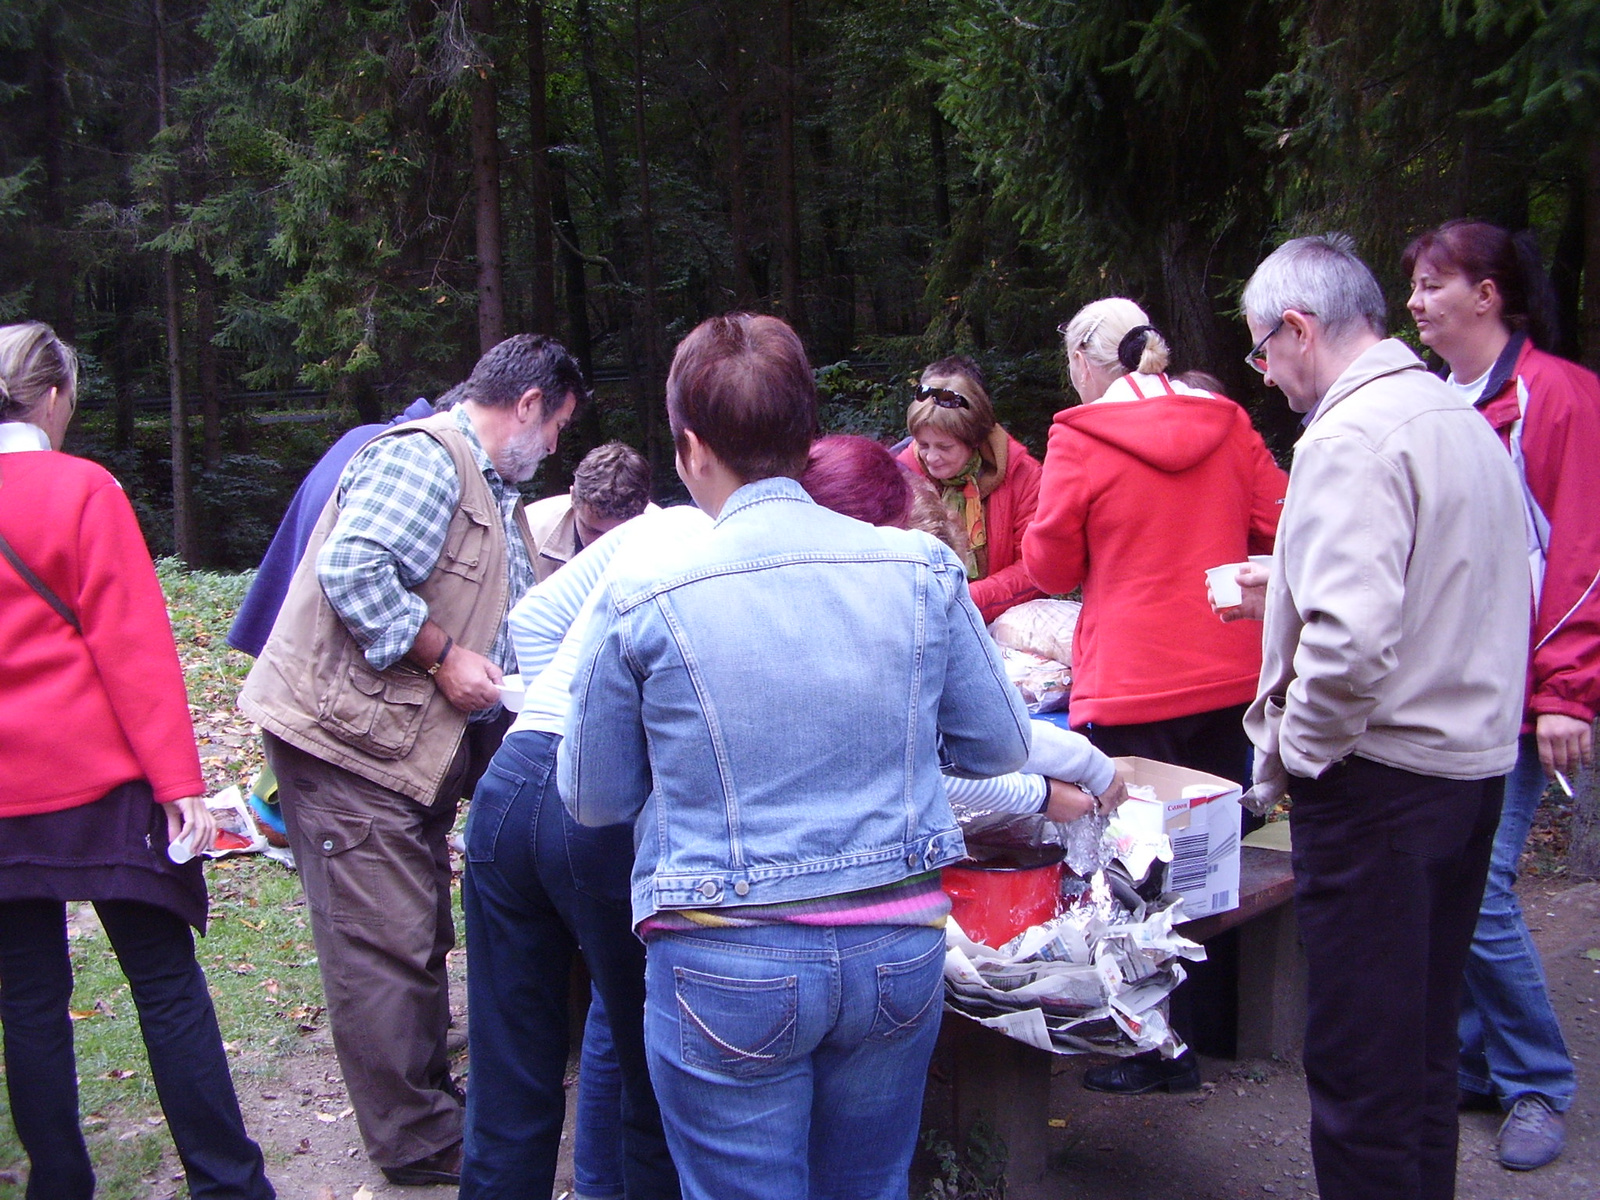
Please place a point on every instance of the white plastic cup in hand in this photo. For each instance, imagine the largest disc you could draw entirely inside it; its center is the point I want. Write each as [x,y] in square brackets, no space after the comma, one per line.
[512,692]
[1264,561]
[178,851]
[1224,581]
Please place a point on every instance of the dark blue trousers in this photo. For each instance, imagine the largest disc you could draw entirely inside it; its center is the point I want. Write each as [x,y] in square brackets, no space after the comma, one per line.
[537,886]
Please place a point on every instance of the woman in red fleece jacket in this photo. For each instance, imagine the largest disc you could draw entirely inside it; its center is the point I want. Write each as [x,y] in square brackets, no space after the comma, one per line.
[1482,302]
[98,771]
[1145,486]
[986,478]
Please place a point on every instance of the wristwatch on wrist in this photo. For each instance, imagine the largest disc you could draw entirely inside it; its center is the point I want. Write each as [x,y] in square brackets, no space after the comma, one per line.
[439,662]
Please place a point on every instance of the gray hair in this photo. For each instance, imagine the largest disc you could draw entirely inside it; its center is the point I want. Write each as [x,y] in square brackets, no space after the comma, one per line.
[1321,277]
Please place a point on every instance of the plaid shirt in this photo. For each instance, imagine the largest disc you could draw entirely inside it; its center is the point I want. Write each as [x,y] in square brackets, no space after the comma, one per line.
[396,499]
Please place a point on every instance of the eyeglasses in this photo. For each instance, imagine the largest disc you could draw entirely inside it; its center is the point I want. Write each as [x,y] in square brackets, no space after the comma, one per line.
[1256,360]
[943,397]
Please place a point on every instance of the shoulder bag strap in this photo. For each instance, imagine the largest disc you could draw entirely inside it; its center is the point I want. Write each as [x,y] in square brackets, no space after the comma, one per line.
[38,585]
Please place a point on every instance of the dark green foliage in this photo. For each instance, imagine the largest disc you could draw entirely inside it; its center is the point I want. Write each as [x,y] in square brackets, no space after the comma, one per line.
[961,174]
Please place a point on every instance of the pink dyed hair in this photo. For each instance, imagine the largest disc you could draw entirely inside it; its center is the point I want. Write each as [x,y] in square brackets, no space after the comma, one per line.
[857,477]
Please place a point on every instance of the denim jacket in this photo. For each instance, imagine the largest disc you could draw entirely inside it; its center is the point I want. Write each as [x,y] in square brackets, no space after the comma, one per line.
[773,711]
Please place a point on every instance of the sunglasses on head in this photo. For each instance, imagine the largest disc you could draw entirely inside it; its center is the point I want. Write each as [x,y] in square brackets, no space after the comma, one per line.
[943,397]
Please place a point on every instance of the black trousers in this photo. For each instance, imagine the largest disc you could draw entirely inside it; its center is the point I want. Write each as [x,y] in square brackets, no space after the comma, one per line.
[156,952]
[1204,1010]
[1389,869]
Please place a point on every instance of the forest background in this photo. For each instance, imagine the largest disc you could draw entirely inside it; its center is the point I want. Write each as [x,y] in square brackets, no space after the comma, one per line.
[263,220]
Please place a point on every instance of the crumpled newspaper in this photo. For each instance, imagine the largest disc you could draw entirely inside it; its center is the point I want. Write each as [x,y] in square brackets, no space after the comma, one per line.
[1093,979]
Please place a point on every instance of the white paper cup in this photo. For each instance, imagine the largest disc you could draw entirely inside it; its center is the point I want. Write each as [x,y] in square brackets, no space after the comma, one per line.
[512,692]
[178,851]
[1224,581]
[1264,561]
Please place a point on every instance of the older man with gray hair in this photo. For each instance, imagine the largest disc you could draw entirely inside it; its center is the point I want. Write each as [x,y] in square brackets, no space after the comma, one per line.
[1389,707]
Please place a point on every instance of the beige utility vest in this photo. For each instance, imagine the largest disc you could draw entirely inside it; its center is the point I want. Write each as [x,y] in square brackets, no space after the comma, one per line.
[312,685]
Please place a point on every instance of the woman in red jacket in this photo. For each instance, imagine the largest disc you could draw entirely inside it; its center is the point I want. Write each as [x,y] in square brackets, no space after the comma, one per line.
[987,479]
[1146,485]
[98,772]
[1483,304]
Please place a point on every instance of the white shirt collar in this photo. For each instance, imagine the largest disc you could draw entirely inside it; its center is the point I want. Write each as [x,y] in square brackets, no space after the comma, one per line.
[19,435]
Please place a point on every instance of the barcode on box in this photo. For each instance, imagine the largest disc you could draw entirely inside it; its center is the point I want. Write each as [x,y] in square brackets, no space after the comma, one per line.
[1221,901]
[1188,862]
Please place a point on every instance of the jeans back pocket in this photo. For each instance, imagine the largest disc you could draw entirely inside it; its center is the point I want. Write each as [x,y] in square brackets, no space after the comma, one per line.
[736,1027]
[907,993]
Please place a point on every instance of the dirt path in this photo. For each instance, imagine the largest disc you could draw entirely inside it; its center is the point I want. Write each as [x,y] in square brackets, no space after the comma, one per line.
[1245,1136]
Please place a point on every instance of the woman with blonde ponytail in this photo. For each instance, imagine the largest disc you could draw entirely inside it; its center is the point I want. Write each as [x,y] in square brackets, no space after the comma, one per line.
[1147,484]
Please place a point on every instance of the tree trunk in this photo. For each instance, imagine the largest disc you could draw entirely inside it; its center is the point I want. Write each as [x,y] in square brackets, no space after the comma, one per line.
[205,321]
[486,180]
[1591,249]
[55,289]
[122,360]
[649,421]
[1566,273]
[1583,845]
[788,184]
[941,164]
[733,102]
[1189,323]
[573,271]
[542,310]
[183,528]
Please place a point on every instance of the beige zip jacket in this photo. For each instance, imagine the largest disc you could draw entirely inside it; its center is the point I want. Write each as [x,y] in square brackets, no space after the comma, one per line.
[1397,614]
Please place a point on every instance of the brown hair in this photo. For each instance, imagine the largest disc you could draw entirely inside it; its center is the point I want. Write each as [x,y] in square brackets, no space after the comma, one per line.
[1479,251]
[742,384]
[932,515]
[32,361]
[613,480]
[971,425]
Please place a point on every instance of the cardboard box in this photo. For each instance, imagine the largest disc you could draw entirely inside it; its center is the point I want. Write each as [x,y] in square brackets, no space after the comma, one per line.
[1204,831]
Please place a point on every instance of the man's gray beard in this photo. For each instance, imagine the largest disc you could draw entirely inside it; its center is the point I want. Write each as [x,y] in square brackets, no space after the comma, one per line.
[519,460]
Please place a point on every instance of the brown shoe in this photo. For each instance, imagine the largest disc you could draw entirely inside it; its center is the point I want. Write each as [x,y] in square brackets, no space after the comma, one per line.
[442,1166]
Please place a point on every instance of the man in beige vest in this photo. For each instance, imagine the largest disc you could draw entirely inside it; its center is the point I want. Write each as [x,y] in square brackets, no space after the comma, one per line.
[378,699]
[610,486]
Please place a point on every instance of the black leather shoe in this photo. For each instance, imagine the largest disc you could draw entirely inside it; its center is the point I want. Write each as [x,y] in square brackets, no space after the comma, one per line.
[1147,1072]
[442,1166]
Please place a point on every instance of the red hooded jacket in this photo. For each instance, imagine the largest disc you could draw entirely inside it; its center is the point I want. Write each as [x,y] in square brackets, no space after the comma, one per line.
[1139,498]
[1561,461]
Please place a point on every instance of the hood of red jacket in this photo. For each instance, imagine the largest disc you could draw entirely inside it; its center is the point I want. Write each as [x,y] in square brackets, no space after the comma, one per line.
[1170,433]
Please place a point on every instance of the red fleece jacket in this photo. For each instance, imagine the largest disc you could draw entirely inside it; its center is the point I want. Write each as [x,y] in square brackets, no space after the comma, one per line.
[1138,498]
[1007,513]
[80,714]
[1561,457]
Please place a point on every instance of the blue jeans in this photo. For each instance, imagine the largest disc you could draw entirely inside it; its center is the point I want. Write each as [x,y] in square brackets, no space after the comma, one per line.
[790,1060]
[538,886]
[1511,1042]
[597,1143]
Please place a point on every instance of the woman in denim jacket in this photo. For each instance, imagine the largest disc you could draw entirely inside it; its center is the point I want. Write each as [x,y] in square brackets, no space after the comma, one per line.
[773,716]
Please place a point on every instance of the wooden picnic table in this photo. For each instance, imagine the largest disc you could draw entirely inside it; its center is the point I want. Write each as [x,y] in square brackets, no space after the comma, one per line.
[1007,1083]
